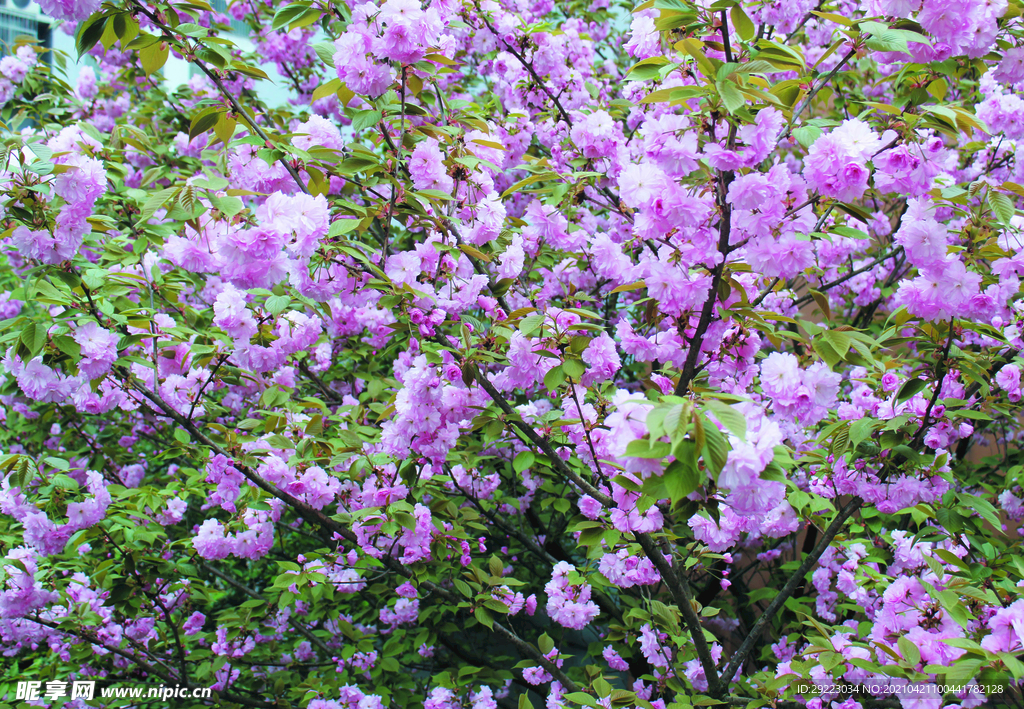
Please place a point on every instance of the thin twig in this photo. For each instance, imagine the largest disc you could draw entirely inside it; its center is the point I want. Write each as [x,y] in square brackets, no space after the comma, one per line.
[251,122]
[848,276]
[818,86]
[292,621]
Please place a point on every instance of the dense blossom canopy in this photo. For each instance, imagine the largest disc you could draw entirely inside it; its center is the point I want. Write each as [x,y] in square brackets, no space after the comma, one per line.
[533,353]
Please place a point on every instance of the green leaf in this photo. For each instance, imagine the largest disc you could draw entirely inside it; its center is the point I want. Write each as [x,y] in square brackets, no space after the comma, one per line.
[305,19]
[951,520]
[344,226]
[581,698]
[325,90]
[523,460]
[89,33]
[806,135]
[229,206]
[682,477]
[1002,206]
[1015,666]
[34,337]
[781,56]
[826,351]
[287,14]
[716,449]
[951,558]
[405,519]
[325,50]
[730,417]
[276,304]
[743,24]
[850,232]
[968,414]
[155,202]
[152,57]
[909,651]
[644,448]
[627,483]
[528,181]
[530,324]
[840,442]
[554,378]
[984,508]
[64,482]
[204,121]
[731,96]
[573,368]
[365,119]
[655,422]
[646,70]
[910,388]
[484,617]
[839,340]
[58,463]
[860,431]
[677,421]
[495,605]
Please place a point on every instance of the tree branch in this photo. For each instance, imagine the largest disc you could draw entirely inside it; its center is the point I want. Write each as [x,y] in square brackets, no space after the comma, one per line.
[251,122]
[707,312]
[818,86]
[300,627]
[832,284]
[810,560]
[680,592]
[317,518]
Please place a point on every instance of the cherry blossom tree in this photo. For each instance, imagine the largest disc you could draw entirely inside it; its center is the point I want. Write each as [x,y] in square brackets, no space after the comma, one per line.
[533,354]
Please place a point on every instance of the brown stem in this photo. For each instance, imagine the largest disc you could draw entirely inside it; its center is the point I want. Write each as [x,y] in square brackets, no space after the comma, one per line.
[294,622]
[146,667]
[940,373]
[707,312]
[807,298]
[759,627]
[679,590]
[818,86]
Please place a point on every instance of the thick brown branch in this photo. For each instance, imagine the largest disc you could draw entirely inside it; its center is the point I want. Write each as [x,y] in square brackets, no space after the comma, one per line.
[677,587]
[762,623]
[708,311]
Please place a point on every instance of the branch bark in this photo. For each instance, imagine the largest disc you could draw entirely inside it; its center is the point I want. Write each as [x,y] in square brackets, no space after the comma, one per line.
[708,311]
[809,561]
[678,588]
[337,532]
[149,669]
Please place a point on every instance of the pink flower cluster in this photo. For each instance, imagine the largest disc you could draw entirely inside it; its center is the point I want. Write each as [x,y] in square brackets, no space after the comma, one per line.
[399,31]
[39,531]
[428,412]
[212,541]
[569,604]
[78,189]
